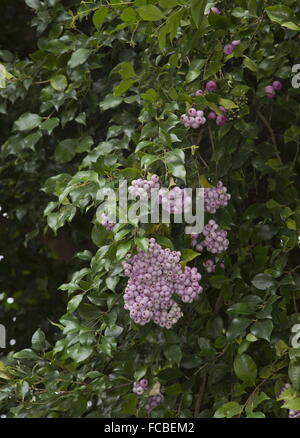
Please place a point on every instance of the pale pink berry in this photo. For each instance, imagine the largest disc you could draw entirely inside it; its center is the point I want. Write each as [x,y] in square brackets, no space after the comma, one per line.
[198,93]
[192,112]
[236,42]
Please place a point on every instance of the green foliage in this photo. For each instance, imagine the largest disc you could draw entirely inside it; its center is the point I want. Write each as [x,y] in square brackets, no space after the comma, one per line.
[98,99]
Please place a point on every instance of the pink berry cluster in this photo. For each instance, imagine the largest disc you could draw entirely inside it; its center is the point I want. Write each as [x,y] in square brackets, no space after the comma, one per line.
[140,386]
[193,118]
[292,412]
[106,222]
[140,186]
[215,198]
[220,119]
[154,276]
[215,239]
[228,49]
[175,201]
[270,90]
[210,86]
[210,266]
[153,402]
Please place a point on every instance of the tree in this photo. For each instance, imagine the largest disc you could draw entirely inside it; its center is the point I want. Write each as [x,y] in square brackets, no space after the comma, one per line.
[110,93]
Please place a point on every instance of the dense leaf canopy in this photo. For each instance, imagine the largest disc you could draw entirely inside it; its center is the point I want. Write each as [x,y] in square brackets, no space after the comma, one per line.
[92,93]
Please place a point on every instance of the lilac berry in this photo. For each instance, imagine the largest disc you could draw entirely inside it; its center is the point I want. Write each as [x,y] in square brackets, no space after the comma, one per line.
[211,86]
[270,92]
[212,116]
[228,49]
[154,277]
[277,85]
[215,11]
[192,112]
[198,93]
[221,120]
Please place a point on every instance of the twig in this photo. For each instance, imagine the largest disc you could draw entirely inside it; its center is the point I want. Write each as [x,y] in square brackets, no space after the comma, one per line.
[200,395]
[271,132]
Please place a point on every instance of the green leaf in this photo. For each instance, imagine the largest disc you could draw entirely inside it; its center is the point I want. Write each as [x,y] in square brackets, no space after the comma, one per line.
[34,4]
[294,373]
[27,121]
[109,102]
[79,57]
[128,15]
[290,25]
[281,14]
[245,368]
[79,353]
[123,249]
[228,104]
[250,64]
[194,70]
[74,303]
[100,16]
[148,159]
[59,82]
[65,150]
[27,353]
[150,13]
[293,404]
[173,353]
[228,410]
[50,124]
[125,70]
[188,254]
[168,3]
[142,242]
[218,21]
[262,329]
[114,331]
[263,281]
[38,340]
[175,163]
[129,404]
[238,327]
[197,11]
[123,86]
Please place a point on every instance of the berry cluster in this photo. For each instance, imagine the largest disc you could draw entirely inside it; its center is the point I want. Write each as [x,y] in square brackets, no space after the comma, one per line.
[154,276]
[209,88]
[228,49]
[215,198]
[175,201]
[220,119]
[140,386]
[215,239]
[193,118]
[210,266]
[153,401]
[140,186]
[106,222]
[270,90]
